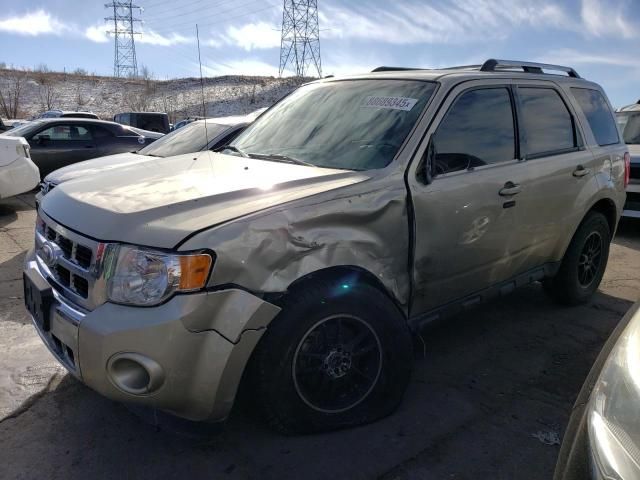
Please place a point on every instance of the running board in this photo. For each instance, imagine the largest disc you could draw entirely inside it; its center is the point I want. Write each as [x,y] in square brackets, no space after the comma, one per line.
[456,307]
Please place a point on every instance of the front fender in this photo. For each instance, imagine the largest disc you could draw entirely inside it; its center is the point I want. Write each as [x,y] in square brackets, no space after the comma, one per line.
[364,226]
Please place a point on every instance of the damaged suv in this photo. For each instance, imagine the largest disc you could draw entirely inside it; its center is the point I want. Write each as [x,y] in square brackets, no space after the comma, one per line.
[298,260]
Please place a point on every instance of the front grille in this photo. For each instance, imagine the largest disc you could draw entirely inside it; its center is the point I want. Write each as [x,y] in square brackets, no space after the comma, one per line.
[72,268]
[81,286]
[83,256]
[65,245]
[63,275]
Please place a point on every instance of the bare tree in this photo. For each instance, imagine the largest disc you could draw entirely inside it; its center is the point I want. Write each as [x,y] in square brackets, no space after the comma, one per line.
[137,102]
[49,95]
[11,96]
[81,100]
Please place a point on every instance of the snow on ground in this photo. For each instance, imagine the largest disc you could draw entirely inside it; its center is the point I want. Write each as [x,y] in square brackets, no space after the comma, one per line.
[106,96]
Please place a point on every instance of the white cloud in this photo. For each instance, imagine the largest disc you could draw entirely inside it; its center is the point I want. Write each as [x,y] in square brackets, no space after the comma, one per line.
[97,33]
[153,38]
[601,18]
[567,56]
[456,21]
[253,36]
[35,23]
[247,66]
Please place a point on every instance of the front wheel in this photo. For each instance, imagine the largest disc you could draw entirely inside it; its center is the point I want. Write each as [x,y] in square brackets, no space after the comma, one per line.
[584,262]
[335,357]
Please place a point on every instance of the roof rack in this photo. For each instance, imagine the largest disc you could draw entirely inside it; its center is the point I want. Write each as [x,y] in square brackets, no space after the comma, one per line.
[394,69]
[493,65]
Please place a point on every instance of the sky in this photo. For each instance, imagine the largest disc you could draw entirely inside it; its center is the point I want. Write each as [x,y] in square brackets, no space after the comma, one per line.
[599,38]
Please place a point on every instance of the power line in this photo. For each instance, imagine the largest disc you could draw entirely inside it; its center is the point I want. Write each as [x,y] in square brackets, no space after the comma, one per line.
[300,41]
[125,63]
[189,24]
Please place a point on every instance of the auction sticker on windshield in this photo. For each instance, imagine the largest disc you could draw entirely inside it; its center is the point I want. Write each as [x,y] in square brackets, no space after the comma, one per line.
[393,103]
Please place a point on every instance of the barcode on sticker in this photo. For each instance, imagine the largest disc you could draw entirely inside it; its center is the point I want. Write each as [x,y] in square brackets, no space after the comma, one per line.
[394,103]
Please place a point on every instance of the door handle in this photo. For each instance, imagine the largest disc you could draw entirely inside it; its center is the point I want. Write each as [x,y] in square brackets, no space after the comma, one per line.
[510,189]
[580,171]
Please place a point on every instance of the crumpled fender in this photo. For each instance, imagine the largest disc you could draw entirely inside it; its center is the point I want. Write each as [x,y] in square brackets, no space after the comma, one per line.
[364,225]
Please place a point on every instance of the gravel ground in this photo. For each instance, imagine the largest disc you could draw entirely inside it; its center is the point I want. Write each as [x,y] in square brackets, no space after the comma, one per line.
[490,396]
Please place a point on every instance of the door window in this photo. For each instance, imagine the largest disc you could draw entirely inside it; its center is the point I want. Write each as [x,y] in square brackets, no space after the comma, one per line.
[63,133]
[547,123]
[101,132]
[477,130]
[598,114]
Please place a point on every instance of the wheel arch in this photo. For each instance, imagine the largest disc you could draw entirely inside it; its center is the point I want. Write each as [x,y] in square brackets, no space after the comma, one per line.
[607,207]
[346,276]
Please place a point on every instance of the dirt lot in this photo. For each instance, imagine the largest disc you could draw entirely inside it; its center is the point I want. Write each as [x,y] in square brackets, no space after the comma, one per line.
[490,396]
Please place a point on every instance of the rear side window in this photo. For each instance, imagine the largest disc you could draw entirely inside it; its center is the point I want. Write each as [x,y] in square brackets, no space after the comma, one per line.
[595,108]
[547,123]
[477,130]
[101,132]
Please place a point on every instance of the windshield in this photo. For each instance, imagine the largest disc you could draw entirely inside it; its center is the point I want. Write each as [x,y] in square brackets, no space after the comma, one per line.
[23,130]
[629,125]
[354,125]
[188,139]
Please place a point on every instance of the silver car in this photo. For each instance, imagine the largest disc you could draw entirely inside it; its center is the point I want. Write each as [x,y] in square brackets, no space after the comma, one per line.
[300,259]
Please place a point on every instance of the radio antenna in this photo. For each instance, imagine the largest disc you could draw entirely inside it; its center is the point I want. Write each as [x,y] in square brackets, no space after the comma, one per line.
[204,108]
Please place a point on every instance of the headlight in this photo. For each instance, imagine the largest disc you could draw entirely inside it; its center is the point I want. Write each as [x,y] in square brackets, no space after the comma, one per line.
[146,277]
[614,410]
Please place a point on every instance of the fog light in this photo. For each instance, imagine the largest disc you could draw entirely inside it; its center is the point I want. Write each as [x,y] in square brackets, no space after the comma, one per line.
[134,373]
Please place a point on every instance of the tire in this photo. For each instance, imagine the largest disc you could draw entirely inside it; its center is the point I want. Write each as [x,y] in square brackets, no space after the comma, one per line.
[305,379]
[573,284]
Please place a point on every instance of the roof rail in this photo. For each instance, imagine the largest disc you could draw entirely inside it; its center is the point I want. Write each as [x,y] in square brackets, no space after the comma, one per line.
[393,69]
[493,65]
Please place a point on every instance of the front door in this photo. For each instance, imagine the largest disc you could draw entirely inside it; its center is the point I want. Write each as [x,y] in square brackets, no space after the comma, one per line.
[60,145]
[465,215]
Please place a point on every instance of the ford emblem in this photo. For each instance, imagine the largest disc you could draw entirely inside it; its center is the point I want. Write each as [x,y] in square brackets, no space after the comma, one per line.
[49,254]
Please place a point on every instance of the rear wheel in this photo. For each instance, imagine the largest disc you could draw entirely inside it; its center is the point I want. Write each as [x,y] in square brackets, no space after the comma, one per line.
[333,358]
[584,262]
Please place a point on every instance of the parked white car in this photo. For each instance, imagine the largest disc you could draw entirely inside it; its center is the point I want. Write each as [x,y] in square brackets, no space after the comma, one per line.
[18,174]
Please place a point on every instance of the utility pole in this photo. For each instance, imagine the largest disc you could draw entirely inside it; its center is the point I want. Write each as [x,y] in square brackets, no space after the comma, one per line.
[300,41]
[124,60]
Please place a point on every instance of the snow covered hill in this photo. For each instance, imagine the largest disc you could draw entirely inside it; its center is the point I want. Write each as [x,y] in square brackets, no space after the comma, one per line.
[106,96]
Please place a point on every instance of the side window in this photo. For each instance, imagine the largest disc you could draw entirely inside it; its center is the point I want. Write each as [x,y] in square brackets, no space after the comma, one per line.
[546,121]
[101,132]
[228,138]
[63,133]
[477,130]
[598,114]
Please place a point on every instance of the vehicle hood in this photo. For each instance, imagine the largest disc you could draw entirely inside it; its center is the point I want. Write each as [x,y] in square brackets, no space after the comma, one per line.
[161,201]
[94,166]
[634,150]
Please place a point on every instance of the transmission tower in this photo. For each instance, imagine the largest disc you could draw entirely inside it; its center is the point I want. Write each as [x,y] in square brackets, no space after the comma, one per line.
[124,60]
[300,43]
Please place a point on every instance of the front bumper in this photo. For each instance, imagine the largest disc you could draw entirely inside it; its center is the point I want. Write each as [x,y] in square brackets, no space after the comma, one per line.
[192,349]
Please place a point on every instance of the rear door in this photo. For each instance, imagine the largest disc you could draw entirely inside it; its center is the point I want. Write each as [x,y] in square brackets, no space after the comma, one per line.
[466,215]
[559,176]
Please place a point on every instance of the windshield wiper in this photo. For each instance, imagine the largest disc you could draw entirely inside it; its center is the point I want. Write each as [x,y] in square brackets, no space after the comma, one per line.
[281,158]
[235,149]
